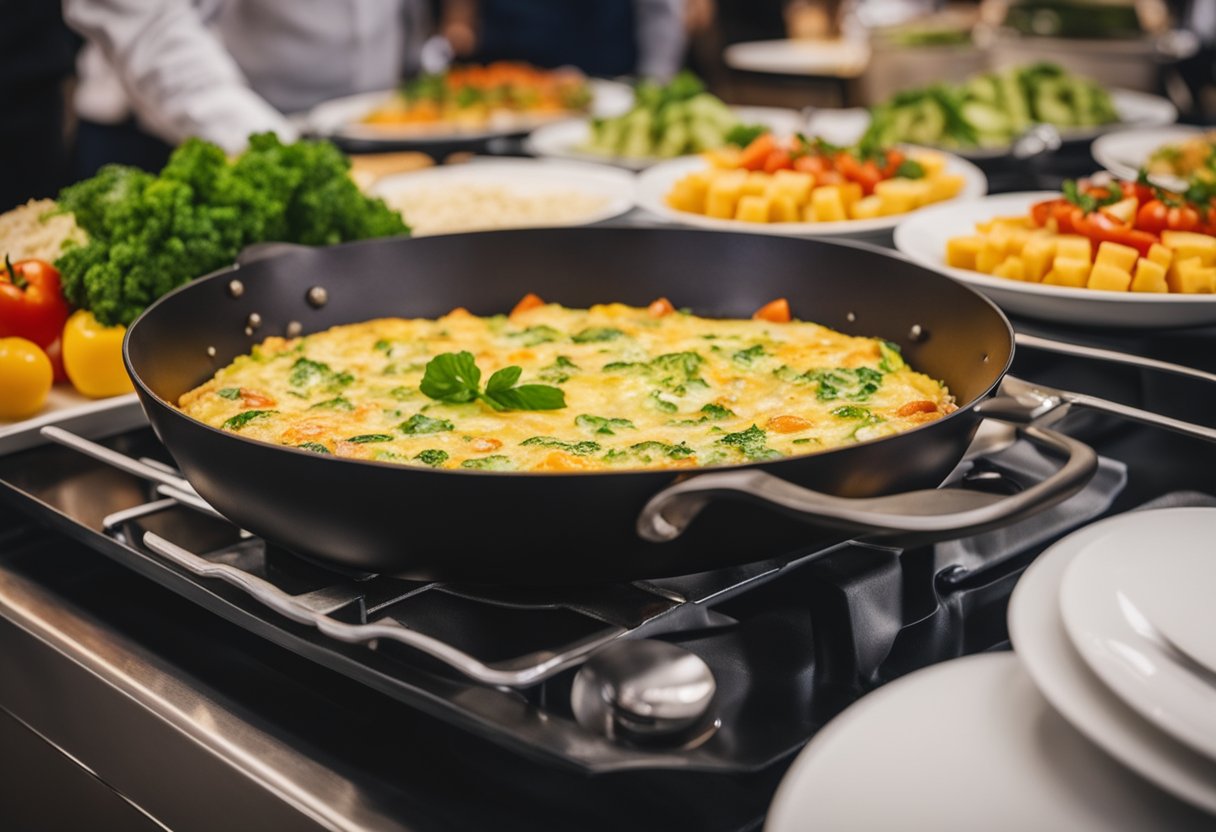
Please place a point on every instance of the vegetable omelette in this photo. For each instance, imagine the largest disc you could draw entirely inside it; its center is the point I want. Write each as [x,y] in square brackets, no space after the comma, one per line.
[549,388]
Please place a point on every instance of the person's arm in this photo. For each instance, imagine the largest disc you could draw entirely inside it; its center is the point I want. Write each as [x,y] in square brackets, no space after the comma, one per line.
[178,76]
[660,36]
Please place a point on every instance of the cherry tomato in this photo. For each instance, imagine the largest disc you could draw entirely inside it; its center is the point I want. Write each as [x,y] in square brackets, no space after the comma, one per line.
[1152,216]
[1040,212]
[1182,218]
[778,160]
[31,303]
[25,378]
[868,175]
[92,356]
[755,154]
[895,158]
[814,165]
[1143,193]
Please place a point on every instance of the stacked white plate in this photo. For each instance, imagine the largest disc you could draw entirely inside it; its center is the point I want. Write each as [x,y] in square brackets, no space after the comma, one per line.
[1104,718]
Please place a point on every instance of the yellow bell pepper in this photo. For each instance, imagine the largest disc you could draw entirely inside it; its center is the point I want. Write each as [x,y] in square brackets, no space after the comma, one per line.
[92,356]
[25,378]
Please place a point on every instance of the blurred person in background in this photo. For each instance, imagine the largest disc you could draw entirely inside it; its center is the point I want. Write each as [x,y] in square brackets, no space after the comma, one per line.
[154,72]
[604,37]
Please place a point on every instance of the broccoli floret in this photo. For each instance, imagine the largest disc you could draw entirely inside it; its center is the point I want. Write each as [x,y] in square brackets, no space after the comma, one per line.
[149,234]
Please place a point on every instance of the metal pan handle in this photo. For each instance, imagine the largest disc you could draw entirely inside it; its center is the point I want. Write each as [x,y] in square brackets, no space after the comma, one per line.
[935,513]
[1034,342]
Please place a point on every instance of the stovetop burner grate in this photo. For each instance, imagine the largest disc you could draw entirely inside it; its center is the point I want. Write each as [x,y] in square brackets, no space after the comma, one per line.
[789,641]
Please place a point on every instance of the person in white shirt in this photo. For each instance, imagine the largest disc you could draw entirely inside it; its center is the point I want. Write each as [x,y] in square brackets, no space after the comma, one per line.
[154,72]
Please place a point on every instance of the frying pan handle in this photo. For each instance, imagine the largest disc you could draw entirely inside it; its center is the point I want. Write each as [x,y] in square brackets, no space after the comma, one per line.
[1034,342]
[935,513]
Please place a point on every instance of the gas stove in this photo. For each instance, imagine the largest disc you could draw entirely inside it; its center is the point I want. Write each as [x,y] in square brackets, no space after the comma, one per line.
[202,677]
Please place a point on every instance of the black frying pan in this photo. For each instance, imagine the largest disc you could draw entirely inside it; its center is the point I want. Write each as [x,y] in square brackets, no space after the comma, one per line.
[513,527]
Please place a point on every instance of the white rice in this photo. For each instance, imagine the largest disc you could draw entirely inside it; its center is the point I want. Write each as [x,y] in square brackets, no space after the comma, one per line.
[30,232]
[476,207]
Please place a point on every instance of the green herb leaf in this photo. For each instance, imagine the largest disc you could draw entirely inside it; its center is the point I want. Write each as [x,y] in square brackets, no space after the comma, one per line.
[660,403]
[315,447]
[230,393]
[644,450]
[241,419]
[366,438]
[849,384]
[742,135]
[556,373]
[747,357]
[892,359]
[540,334]
[850,411]
[910,169]
[419,424]
[432,457]
[383,346]
[454,377]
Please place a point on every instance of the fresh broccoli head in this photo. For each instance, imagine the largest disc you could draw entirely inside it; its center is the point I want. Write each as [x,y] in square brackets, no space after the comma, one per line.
[150,234]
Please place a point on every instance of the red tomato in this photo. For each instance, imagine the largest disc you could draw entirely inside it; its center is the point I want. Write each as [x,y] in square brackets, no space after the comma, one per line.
[31,303]
[1152,216]
[755,154]
[1040,212]
[1182,218]
[868,176]
[1143,193]
[1066,216]
[778,160]
[814,165]
[1102,228]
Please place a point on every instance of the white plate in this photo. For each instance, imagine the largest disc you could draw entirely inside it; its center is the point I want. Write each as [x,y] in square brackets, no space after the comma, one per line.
[1036,628]
[341,118]
[525,177]
[1131,593]
[566,139]
[91,418]
[1135,109]
[923,235]
[968,744]
[1123,153]
[831,58]
[655,183]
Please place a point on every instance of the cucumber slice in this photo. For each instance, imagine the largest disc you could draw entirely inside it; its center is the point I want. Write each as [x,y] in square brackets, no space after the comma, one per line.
[985,118]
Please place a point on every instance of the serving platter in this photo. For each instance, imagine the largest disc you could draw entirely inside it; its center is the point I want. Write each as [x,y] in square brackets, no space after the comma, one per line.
[923,235]
[978,724]
[1140,615]
[566,139]
[1124,152]
[1036,628]
[342,119]
[1136,109]
[91,418]
[525,177]
[654,185]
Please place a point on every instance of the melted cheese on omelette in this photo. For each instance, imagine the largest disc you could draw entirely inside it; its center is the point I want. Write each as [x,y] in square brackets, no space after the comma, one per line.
[641,391]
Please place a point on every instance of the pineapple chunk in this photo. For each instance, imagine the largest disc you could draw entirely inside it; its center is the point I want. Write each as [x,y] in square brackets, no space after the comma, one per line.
[726,158]
[1193,279]
[899,196]
[992,253]
[1187,244]
[756,184]
[1066,271]
[850,192]
[962,251]
[1108,277]
[942,187]
[1150,276]
[688,195]
[1012,268]
[723,194]
[1173,275]
[1037,255]
[866,208]
[1119,256]
[1160,255]
[1074,247]
[794,184]
[933,163]
[753,209]
[827,204]
[782,208]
